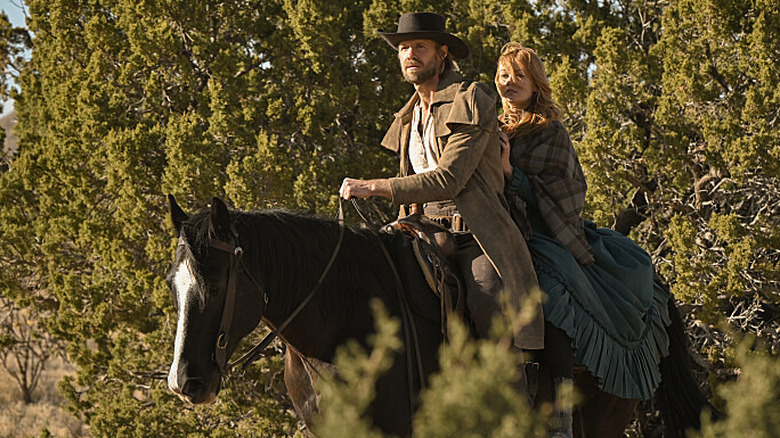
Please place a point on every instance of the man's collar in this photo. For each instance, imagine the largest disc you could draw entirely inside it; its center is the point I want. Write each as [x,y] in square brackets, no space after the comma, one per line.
[449,84]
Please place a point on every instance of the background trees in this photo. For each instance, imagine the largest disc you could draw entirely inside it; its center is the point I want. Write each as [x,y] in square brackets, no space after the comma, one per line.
[24,347]
[673,106]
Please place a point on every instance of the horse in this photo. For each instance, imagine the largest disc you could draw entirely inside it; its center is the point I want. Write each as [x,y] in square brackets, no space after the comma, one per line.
[311,280]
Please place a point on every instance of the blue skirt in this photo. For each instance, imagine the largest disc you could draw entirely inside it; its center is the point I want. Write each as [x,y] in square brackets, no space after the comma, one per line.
[613,311]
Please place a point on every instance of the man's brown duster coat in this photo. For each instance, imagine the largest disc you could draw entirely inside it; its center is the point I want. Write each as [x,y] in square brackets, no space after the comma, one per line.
[469,173]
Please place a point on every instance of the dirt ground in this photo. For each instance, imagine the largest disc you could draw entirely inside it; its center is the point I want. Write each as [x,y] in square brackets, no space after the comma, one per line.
[20,420]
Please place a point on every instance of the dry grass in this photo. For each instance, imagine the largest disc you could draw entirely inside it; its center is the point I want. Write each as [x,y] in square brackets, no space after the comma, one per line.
[19,420]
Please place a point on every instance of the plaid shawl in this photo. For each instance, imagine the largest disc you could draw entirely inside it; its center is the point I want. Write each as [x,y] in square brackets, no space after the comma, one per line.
[548,158]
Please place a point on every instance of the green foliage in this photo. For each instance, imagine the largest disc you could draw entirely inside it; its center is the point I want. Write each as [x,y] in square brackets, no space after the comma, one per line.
[14,41]
[260,177]
[474,394]
[125,102]
[752,399]
[674,127]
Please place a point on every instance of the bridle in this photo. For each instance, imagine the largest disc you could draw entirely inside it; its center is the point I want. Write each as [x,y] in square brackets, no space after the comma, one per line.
[228,309]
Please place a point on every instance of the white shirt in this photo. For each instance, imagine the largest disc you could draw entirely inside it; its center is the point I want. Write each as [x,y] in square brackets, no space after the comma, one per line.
[422,150]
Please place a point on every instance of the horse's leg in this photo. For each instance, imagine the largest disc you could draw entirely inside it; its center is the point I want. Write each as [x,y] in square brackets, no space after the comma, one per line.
[393,406]
[598,414]
[300,388]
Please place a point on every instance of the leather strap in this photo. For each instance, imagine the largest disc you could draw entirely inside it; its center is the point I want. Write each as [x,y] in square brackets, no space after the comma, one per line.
[228,309]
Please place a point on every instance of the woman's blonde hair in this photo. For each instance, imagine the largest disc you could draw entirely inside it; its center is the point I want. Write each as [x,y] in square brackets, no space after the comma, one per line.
[543,109]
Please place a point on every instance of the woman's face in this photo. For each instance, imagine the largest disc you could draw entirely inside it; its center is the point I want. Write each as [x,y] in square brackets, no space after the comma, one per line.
[515,86]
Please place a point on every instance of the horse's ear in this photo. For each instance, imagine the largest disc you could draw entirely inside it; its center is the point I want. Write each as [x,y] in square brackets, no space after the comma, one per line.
[220,219]
[178,216]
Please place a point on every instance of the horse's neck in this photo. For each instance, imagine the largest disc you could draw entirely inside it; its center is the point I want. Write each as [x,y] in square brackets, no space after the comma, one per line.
[307,331]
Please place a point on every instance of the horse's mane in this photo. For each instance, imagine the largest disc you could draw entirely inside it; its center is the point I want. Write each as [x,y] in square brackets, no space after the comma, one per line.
[293,248]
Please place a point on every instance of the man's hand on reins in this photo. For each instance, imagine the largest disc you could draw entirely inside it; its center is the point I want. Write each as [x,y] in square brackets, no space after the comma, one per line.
[363,188]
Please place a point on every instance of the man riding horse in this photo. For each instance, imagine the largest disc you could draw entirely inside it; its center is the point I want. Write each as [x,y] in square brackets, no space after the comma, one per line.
[447,140]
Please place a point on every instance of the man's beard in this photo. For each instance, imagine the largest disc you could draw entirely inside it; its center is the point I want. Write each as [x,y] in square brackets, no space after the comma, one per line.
[422,74]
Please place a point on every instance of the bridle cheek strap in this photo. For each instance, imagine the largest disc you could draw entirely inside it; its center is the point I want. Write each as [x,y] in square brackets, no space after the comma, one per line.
[223,336]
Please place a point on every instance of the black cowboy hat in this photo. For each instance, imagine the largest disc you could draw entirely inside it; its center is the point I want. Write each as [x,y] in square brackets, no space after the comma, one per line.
[426,26]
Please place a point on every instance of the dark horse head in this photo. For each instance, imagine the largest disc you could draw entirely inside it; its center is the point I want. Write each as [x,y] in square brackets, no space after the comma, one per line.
[199,279]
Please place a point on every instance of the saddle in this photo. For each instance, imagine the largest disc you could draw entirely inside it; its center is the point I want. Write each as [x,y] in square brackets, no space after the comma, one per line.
[434,247]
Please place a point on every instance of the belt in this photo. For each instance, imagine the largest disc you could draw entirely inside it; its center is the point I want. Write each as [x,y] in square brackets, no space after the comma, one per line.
[454,223]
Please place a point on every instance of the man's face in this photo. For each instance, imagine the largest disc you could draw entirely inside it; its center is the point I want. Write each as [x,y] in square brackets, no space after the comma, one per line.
[421,60]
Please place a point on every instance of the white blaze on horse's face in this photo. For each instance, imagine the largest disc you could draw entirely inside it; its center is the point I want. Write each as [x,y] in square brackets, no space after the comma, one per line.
[183,281]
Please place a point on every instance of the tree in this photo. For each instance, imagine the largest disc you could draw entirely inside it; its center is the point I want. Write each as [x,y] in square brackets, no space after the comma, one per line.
[14,41]
[24,347]
[684,132]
